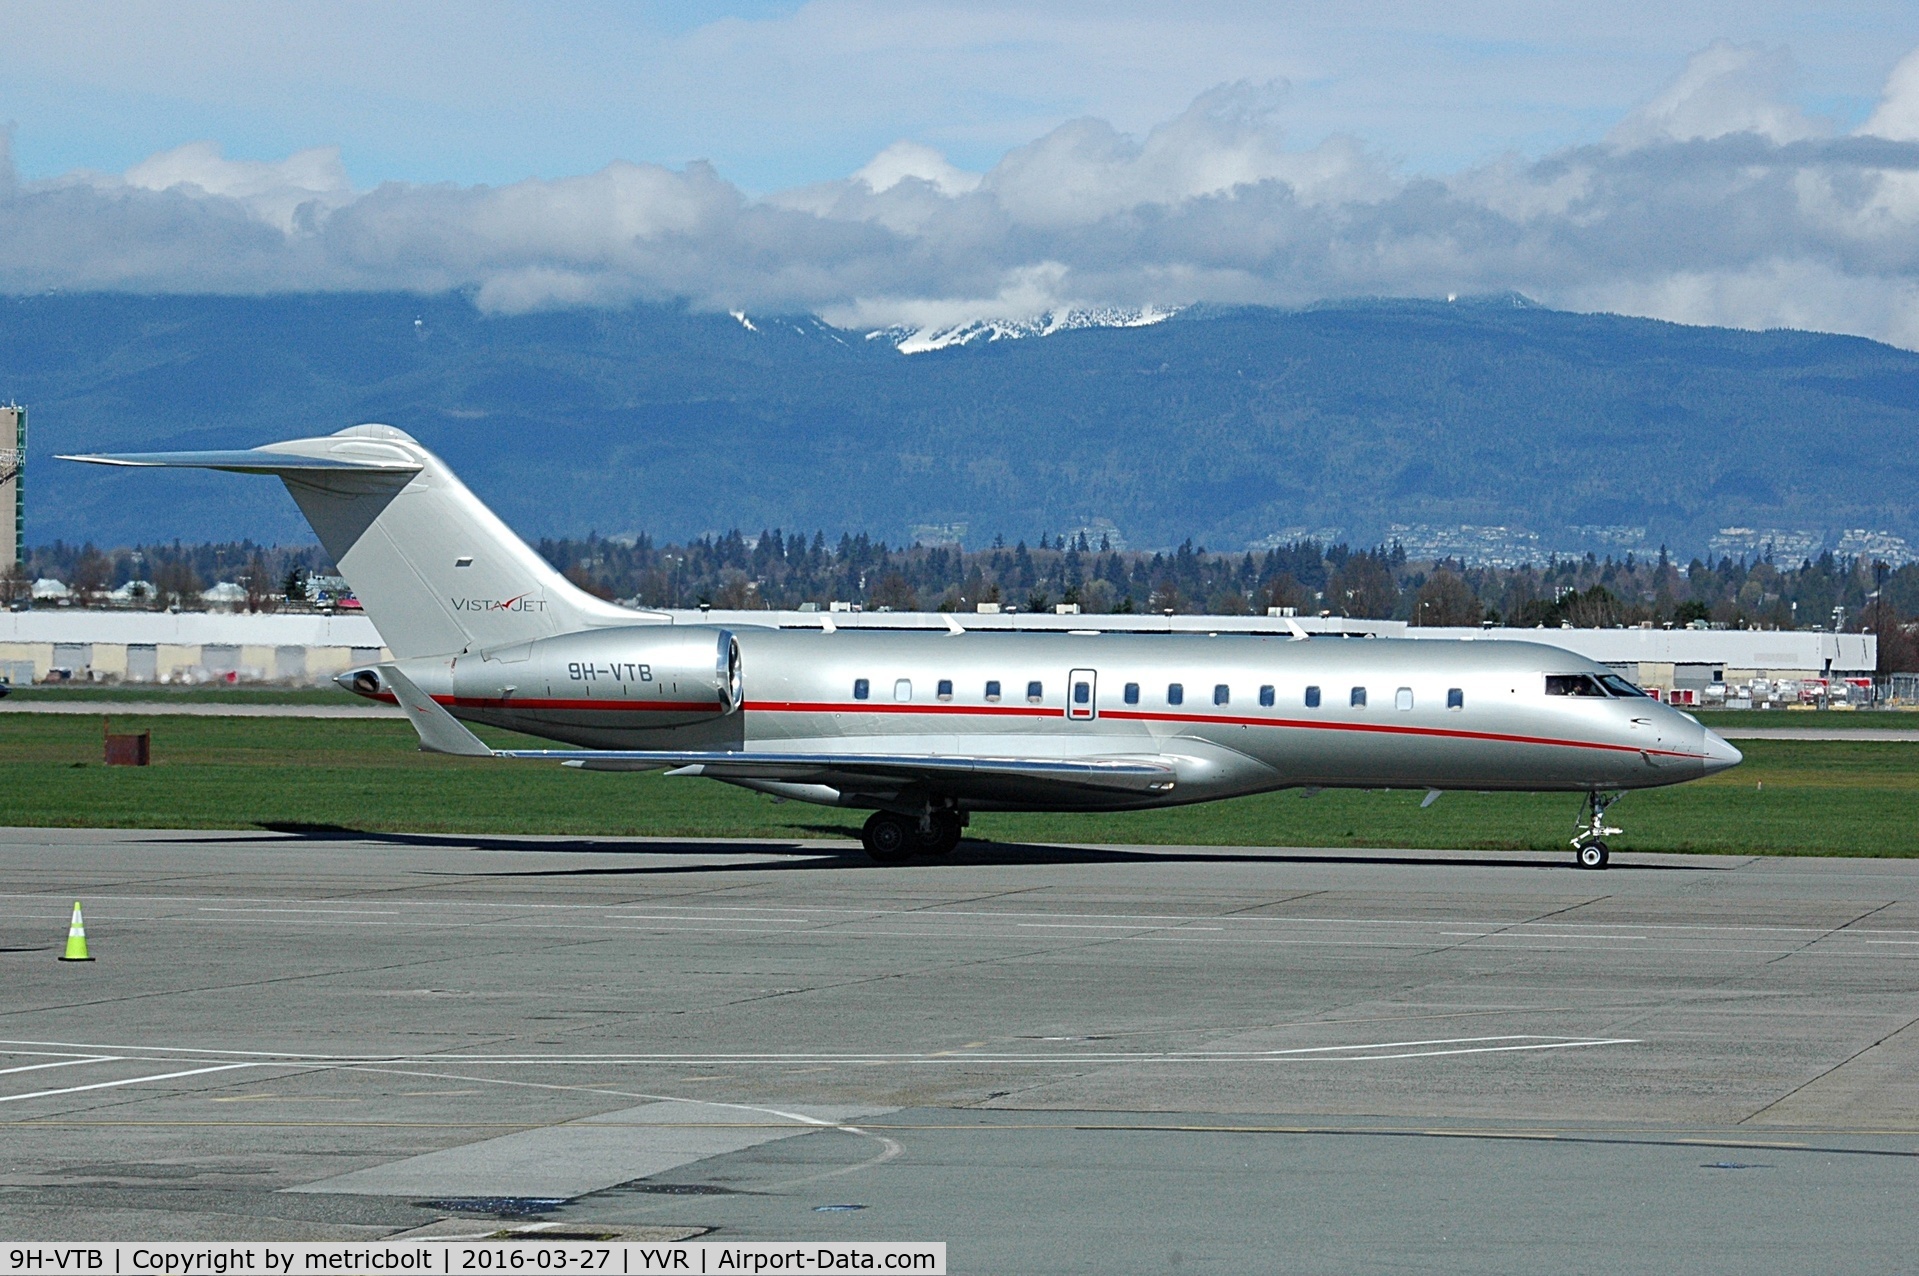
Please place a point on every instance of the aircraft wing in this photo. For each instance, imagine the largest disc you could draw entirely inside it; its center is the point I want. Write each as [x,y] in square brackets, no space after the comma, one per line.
[441,732]
[868,770]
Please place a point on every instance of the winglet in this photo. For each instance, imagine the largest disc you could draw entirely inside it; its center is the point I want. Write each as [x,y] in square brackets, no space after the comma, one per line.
[1299,630]
[440,731]
[953,627]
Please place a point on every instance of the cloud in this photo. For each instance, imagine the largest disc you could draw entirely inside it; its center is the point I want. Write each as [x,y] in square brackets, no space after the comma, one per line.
[1715,200]
[280,194]
[903,160]
[1898,113]
[1726,88]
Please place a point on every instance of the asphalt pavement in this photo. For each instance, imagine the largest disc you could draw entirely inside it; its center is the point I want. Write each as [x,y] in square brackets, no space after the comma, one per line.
[1054,1059]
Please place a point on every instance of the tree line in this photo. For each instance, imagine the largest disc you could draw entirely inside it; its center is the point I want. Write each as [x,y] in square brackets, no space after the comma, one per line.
[779,570]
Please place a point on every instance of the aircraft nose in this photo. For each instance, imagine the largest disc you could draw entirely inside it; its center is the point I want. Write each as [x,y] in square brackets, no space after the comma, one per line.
[1719,754]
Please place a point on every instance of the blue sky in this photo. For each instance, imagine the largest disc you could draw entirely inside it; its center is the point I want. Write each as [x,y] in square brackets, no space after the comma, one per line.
[779,94]
[1751,163]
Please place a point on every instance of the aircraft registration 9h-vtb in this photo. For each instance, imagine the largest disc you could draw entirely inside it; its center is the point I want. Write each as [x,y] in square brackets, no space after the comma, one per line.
[922,728]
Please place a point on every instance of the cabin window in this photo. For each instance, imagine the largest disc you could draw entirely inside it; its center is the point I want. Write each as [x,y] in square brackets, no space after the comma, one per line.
[1082,693]
[1359,698]
[1455,698]
[1221,695]
[945,689]
[1403,699]
[1312,697]
[1035,693]
[1176,693]
[1620,687]
[861,687]
[1265,697]
[1132,693]
[992,691]
[903,689]
[1574,684]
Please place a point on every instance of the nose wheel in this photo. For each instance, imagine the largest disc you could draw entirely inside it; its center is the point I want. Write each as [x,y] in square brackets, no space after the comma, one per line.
[1589,842]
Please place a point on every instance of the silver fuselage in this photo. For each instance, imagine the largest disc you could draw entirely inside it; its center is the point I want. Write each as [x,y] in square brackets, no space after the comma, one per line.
[1438,715]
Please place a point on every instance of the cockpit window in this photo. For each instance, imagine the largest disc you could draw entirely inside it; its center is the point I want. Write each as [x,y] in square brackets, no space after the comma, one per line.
[1619,686]
[1574,684]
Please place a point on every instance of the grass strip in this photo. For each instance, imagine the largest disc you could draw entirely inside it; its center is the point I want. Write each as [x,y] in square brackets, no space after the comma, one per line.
[1792,797]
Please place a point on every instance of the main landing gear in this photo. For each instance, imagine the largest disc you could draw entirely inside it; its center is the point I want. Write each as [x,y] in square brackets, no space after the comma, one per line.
[1589,843]
[890,837]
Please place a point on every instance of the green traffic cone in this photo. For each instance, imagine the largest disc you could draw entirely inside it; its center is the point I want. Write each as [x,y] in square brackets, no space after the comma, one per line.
[76,938]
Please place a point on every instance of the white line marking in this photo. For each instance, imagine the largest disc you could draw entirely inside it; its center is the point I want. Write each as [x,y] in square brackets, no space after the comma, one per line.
[108,1085]
[63,1063]
[1521,932]
[1097,926]
[302,912]
[691,917]
[1359,1050]
[1556,1045]
[937,911]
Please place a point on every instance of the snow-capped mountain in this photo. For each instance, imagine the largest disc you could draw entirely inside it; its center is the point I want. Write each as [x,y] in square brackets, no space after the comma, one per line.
[908,339]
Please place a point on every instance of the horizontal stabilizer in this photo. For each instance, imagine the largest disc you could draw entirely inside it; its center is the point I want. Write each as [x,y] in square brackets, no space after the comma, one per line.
[440,731]
[248,461]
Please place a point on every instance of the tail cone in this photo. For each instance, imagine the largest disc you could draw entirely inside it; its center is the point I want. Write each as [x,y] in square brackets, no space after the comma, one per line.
[76,938]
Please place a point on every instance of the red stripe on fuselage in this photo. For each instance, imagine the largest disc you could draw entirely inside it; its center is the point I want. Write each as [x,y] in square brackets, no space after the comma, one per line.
[1040,711]
[1298,724]
[517,702]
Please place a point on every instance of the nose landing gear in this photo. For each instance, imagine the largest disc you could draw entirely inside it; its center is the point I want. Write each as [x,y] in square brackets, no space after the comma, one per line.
[1589,842]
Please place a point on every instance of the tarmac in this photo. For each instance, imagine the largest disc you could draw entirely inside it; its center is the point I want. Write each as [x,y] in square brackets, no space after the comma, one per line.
[1055,1059]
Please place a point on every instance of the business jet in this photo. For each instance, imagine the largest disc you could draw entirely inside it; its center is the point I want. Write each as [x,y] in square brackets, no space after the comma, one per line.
[922,728]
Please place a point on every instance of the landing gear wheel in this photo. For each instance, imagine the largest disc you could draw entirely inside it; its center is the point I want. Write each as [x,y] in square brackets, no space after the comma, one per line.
[1591,831]
[889,837]
[940,837]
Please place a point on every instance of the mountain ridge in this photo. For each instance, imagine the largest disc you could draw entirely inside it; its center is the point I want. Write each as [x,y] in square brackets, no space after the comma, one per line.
[1228,425]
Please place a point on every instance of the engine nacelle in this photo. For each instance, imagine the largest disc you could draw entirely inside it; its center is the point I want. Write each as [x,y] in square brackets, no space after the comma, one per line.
[640,676]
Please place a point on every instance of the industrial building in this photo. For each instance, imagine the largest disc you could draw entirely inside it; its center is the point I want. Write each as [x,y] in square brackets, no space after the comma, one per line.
[1710,666]
[61,644]
[306,648]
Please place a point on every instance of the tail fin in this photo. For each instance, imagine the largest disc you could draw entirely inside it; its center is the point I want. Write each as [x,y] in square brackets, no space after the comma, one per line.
[436,570]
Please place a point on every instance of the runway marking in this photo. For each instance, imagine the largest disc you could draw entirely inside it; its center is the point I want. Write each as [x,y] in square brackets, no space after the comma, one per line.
[936,910]
[1353,1052]
[838,931]
[62,1063]
[302,912]
[1740,1143]
[125,1081]
[1543,929]
[1103,926]
[1520,930]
